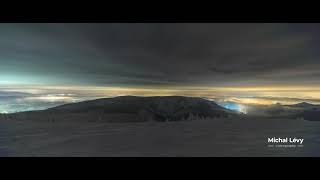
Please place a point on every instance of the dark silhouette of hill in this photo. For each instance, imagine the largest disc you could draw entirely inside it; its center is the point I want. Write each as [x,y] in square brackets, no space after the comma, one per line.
[305,111]
[132,109]
[303,105]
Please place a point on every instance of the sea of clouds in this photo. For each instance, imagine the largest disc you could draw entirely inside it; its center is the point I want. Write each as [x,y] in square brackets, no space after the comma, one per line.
[11,102]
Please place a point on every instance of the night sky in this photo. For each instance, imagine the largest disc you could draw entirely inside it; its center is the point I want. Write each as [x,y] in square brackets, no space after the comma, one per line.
[263,63]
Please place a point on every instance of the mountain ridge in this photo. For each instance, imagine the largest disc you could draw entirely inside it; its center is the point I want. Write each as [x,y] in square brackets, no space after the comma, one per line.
[135,108]
[303,104]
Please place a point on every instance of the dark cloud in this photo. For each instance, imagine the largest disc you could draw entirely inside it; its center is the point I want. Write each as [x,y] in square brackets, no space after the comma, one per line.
[159,54]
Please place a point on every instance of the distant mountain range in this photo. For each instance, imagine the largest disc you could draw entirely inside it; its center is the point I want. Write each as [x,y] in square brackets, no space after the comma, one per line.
[303,105]
[301,110]
[133,109]
[12,94]
[310,112]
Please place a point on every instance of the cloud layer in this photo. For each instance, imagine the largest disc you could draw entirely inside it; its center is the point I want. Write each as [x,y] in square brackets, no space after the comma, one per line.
[159,54]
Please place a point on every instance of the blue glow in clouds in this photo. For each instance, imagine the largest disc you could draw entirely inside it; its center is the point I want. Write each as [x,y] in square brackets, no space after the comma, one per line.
[233,106]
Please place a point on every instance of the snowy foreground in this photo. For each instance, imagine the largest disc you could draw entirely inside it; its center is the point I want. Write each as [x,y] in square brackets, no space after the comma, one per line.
[210,137]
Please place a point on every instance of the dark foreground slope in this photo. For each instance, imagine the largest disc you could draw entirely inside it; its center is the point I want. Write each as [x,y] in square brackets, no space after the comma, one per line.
[210,137]
[131,109]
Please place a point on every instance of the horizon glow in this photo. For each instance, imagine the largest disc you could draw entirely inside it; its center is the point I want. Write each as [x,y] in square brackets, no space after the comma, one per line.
[42,97]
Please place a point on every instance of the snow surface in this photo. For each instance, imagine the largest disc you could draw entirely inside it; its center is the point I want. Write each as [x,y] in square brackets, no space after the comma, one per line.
[209,137]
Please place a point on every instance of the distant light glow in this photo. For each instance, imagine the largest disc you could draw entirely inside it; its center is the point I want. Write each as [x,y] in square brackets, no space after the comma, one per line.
[259,101]
[234,106]
[243,109]
[51,98]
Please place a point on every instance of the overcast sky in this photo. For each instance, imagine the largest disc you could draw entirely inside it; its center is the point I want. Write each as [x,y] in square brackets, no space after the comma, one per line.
[171,55]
